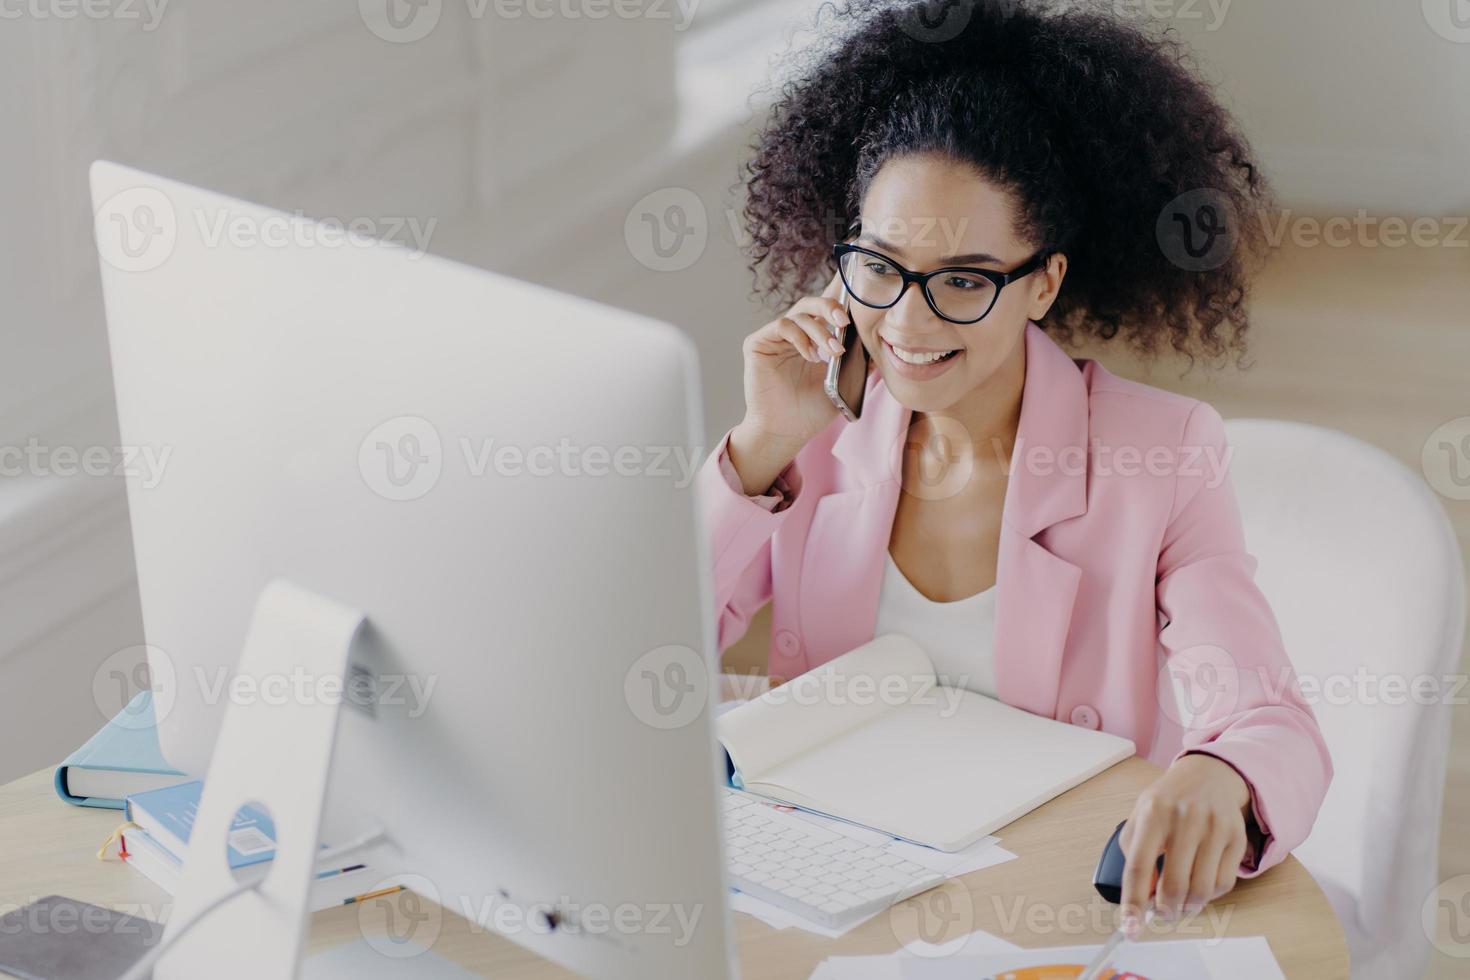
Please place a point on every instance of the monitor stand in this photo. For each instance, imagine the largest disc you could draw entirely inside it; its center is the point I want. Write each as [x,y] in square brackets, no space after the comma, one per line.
[275,755]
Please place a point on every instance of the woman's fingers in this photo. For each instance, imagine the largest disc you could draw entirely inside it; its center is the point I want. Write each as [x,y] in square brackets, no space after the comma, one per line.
[1186,832]
[792,332]
[807,327]
[1193,816]
[824,307]
[820,331]
[1206,870]
[1229,868]
[812,338]
[1143,841]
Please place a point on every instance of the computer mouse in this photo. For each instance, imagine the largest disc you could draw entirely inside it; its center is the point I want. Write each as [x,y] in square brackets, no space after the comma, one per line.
[1108,878]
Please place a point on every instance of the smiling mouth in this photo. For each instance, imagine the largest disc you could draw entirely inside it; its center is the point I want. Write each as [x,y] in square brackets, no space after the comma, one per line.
[920,358]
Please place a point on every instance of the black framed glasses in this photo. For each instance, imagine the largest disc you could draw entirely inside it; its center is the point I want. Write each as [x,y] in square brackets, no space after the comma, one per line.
[957,294]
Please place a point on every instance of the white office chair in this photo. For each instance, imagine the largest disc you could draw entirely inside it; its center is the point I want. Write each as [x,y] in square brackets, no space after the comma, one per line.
[1363,571]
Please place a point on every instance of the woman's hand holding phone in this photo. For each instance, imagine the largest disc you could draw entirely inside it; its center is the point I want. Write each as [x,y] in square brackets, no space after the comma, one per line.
[785,405]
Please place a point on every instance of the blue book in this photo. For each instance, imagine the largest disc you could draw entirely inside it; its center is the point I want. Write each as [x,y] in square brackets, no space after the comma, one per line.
[167,817]
[160,843]
[121,759]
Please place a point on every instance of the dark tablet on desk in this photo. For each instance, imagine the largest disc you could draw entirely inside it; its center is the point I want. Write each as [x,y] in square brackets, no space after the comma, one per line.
[56,938]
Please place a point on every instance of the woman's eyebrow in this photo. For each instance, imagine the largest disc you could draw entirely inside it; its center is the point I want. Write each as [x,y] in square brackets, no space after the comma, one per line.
[984,258]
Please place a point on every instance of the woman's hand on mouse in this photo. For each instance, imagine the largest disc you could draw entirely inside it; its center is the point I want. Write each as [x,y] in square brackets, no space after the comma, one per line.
[1194,815]
[785,406]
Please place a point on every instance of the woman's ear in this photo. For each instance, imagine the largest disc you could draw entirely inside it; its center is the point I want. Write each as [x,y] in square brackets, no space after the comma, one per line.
[1047,284]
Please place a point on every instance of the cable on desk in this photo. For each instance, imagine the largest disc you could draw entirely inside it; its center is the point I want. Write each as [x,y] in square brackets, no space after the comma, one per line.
[143,968]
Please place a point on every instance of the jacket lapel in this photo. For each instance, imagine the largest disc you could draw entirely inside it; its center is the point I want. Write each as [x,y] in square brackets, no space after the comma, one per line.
[1047,484]
[842,573]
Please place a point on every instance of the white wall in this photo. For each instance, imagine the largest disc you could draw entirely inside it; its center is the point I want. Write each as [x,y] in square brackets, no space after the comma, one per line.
[1351,103]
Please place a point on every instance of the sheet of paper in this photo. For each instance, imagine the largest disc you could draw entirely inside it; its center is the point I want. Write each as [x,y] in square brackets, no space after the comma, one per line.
[1147,961]
[779,918]
[1224,959]
[890,967]
[977,943]
[1243,956]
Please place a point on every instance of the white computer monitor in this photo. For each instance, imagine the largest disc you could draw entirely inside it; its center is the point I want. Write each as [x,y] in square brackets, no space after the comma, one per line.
[498,476]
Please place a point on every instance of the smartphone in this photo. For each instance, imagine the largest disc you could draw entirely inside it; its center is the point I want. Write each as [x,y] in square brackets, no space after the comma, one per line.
[847,376]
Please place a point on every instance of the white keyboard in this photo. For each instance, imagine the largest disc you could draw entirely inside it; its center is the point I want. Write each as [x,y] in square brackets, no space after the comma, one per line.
[812,871]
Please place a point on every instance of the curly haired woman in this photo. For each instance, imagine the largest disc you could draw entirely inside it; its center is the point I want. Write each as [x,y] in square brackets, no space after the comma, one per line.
[957,196]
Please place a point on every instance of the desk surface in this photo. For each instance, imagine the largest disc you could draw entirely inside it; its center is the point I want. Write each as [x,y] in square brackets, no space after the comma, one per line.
[1044,898]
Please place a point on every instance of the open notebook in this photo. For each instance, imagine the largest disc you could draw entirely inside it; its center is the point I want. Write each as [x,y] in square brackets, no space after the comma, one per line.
[872,738]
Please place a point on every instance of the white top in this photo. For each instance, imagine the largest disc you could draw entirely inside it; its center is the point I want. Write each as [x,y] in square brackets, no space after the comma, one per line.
[958,636]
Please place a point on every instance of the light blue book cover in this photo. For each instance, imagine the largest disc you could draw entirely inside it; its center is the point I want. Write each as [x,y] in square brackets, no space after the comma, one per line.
[128,744]
[252,837]
[170,814]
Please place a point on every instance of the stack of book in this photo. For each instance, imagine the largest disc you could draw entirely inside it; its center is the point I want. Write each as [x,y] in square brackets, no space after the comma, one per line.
[122,767]
[164,818]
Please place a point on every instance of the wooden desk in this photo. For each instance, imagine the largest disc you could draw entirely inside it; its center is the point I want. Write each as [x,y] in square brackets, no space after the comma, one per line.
[1044,898]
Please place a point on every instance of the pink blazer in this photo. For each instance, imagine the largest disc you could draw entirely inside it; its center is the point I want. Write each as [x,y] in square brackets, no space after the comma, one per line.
[1122,575]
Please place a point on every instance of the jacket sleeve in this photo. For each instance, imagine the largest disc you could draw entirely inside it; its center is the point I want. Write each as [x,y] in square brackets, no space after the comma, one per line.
[740,529]
[1221,639]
